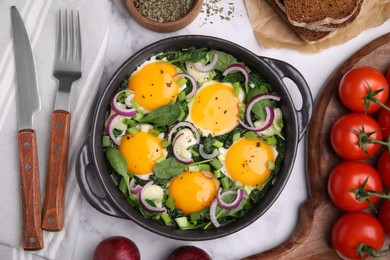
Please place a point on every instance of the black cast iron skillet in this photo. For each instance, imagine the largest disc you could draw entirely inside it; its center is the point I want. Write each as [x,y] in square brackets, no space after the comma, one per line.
[91,163]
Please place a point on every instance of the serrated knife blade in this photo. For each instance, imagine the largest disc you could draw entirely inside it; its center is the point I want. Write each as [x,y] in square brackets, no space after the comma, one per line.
[28,103]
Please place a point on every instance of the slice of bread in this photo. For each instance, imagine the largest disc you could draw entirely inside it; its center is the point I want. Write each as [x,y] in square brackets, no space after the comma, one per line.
[305,34]
[311,13]
[329,27]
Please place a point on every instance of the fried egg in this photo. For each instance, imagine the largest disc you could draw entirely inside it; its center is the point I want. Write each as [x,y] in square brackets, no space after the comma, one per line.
[141,150]
[153,84]
[215,108]
[248,161]
[193,191]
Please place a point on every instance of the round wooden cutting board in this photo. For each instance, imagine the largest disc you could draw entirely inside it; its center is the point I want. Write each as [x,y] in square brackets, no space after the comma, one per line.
[311,238]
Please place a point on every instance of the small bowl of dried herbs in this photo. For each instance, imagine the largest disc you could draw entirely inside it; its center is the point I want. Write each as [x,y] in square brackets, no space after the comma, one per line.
[164,15]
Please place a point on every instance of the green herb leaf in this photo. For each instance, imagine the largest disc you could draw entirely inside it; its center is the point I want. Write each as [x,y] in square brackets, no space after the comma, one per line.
[224,60]
[259,107]
[117,161]
[165,115]
[168,168]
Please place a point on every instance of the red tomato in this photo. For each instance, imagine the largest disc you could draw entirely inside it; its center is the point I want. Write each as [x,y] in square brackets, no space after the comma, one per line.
[350,175]
[384,215]
[388,76]
[354,228]
[384,121]
[345,140]
[354,88]
[383,167]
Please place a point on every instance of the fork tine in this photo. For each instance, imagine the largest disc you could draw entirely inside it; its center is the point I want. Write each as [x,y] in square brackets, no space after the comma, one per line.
[60,35]
[75,36]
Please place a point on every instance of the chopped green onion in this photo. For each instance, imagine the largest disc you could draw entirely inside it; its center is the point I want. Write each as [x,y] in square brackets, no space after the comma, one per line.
[170,203]
[138,116]
[165,143]
[194,153]
[271,140]
[182,114]
[217,174]
[193,168]
[181,81]
[183,223]
[225,182]
[204,167]
[167,219]
[251,135]
[217,144]
[182,96]
[216,164]
[133,130]
[247,189]
[270,165]
[221,157]
[236,88]
[194,216]
[106,141]
[236,137]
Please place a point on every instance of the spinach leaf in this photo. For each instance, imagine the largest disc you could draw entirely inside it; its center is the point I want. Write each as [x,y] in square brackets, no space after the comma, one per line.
[165,115]
[117,161]
[224,60]
[168,168]
[259,107]
[190,54]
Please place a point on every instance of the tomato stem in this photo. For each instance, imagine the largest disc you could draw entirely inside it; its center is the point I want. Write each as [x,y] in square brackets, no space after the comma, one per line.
[363,194]
[370,97]
[364,250]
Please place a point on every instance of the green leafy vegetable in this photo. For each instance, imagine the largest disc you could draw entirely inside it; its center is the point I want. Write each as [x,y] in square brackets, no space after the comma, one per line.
[190,54]
[165,115]
[168,168]
[224,60]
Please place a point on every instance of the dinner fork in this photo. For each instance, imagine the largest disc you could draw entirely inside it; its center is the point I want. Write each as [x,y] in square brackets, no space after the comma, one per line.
[67,69]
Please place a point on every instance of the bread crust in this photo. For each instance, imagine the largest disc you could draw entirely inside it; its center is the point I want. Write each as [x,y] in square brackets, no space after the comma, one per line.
[312,13]
[305,34]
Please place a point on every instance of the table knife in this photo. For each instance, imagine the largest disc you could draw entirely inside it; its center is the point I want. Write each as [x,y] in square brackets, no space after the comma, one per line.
[28,105]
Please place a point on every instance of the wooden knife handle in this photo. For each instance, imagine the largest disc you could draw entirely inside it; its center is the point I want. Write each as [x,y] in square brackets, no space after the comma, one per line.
[30,190]
[53,211]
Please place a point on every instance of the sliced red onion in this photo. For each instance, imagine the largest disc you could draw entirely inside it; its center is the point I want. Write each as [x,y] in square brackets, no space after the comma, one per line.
[207,155]
[121,109]
[145,204]
[254,100]
[193,82]
[229,206]
[213,214]
[175,151]
[183,124]
[267,123]
[237,67]
[135,189]
[110,126]
[205,68]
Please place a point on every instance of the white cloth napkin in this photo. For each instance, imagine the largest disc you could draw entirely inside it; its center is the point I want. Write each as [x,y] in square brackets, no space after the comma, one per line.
[40,19]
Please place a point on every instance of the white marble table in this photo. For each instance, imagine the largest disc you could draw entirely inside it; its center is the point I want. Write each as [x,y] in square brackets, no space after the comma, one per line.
[127,37]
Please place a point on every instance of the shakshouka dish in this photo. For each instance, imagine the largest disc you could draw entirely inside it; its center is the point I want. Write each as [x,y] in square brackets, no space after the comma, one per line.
[194,138]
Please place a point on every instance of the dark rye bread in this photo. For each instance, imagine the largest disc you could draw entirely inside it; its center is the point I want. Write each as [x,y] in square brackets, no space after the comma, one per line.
[329,27]
[305,13]
[304,33]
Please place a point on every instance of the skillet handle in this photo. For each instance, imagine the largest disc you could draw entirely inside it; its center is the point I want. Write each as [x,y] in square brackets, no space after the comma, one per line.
[84,169]
[285,70]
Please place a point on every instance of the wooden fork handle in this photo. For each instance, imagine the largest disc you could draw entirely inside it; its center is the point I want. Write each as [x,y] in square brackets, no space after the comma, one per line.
[53,211]
[30,190]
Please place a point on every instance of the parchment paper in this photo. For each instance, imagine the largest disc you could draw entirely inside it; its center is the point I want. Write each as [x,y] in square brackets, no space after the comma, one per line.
[273,32]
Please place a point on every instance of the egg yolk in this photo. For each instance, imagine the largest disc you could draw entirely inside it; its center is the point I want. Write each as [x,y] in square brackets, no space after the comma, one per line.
[141,150]
[215,108]
[246,161]
[153,85]
[193,191]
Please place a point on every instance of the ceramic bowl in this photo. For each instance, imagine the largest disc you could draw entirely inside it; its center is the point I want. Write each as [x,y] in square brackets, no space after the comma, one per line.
[164,27]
